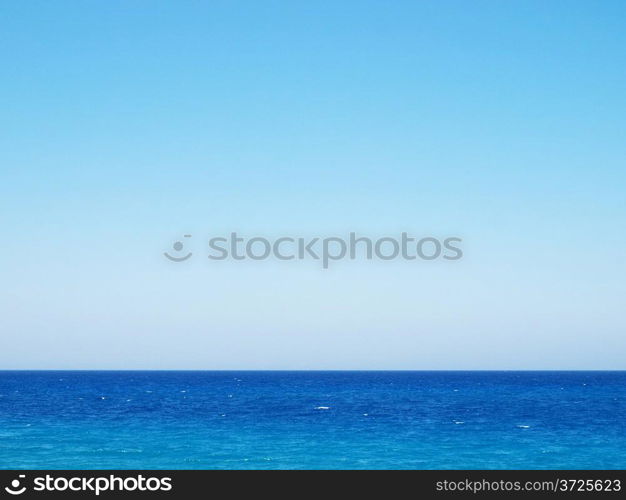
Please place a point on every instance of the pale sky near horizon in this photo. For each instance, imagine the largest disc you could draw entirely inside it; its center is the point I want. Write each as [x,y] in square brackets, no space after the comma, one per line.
[128,124]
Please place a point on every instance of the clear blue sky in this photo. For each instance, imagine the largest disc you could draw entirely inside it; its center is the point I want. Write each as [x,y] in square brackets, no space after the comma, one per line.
[126,124]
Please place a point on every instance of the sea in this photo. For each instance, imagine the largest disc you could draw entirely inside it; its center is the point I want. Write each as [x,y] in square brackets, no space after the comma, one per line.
[312,420]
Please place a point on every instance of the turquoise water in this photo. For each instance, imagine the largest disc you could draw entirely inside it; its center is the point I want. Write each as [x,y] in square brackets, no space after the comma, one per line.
[267,420]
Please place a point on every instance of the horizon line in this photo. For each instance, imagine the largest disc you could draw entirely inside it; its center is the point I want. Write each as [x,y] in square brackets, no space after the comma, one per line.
[356,370]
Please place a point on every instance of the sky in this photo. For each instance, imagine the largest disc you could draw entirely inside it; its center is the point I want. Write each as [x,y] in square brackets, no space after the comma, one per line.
[126,124]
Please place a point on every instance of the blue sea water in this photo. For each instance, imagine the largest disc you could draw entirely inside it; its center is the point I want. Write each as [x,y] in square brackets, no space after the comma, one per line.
[312,420]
